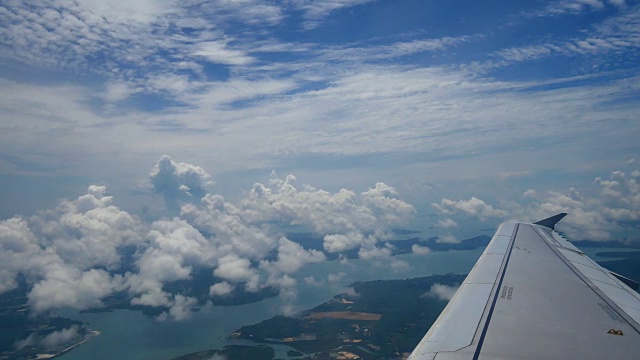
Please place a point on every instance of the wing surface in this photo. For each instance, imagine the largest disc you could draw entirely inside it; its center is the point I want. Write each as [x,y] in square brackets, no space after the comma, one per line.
[533,295]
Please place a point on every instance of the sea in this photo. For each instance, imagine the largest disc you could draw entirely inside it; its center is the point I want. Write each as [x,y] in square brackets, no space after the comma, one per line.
[127,334]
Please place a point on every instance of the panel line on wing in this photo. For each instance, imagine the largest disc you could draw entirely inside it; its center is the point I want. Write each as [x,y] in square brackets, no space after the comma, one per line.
[631,321]
[497,292]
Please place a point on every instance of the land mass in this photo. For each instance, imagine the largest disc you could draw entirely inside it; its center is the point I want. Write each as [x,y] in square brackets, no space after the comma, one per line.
[377,320]
[374,320]
[24,335]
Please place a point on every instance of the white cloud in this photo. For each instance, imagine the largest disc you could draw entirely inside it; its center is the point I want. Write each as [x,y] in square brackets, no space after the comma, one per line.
[400,265]
[311,280]
[441,292]
[398,49]
[119,90]
[605,213]
[60,337]
[52,340]
[316,10]
[332,278]
[352,293]
[220,289]
[370,252]
[473,207]
[180,308]
[420,250]
[342,242]
[613,35]
[219,53]
[62,252]
[17,245]
[234,268]
[447,239]
[514,174]
[576,7]
[252,12]
[179,181]
[328,102]
[446,223]
[347,219]
[292,256]
[65,286]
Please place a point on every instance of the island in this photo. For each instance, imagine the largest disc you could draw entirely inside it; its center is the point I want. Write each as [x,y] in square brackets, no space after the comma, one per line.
[372,320]
[24,335]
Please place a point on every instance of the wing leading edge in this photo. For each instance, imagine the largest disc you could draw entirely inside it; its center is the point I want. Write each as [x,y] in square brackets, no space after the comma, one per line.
[533,295]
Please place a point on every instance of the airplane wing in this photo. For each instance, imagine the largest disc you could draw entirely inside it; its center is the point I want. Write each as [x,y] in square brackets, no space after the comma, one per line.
[533,295]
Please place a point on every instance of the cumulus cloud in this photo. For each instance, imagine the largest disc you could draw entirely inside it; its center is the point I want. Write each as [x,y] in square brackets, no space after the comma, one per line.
[179,181]
[311,280]
[447,239]
[351,293]
[221,289]
[441,292]
[420,250]
[60,337]
[613,211]
[399,265]
[66,286]
[609,210]
[234,268]
[66,253]
[53,340]
[349,220]
[370,252]
[473,207]
[291,257]
[180,308]
[333,278]
[446,223]
[83,250]
[88,231]
[18,245]
[71,256]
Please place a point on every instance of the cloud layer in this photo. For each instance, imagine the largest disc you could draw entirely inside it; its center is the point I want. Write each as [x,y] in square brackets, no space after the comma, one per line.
[76,254]
[608,210]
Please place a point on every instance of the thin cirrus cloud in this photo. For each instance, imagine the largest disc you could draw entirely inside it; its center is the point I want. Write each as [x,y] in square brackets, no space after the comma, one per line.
[563,7]
[614,35]
[100,90]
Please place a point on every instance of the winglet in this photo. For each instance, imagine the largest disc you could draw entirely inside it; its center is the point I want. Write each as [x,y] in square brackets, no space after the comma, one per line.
[551,221]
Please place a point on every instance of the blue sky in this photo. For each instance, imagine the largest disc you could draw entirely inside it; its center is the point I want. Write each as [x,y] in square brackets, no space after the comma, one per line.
[339,93]
[472,112]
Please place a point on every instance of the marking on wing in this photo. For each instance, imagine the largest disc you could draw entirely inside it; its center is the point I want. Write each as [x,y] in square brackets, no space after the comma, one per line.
[461,321]
[507,292]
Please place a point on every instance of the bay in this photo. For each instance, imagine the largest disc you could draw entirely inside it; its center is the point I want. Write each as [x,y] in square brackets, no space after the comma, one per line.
[129,334]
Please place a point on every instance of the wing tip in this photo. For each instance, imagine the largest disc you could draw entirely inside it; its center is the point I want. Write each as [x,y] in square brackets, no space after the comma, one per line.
[551,222]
